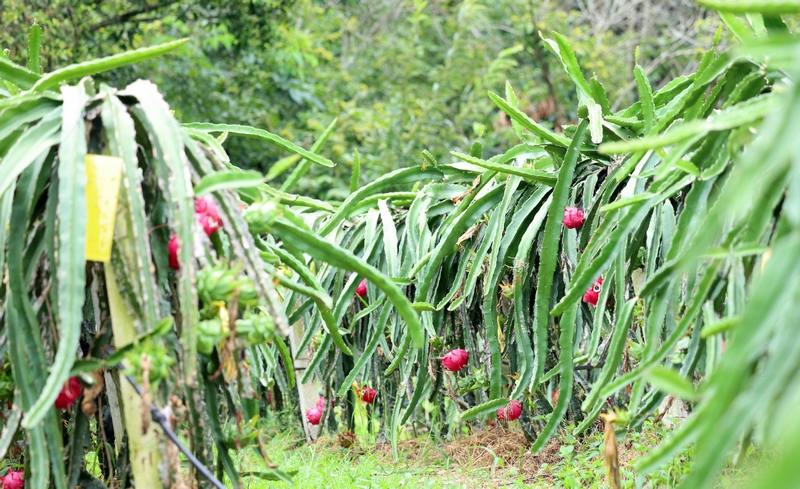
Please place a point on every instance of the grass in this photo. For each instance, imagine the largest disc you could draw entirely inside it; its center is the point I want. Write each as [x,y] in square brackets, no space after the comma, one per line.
[486,459]
[492,458]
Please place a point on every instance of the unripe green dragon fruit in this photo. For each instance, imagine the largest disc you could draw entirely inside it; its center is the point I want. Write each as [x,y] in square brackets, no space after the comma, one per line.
[260,215]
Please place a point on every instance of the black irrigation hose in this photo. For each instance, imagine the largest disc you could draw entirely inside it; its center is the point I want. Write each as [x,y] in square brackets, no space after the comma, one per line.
[161,419]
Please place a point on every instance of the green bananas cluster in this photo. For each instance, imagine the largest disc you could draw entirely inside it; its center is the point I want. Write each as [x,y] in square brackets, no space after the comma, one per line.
[437,342]
[252,330]
[160,361]
[256,329]
[259,216]
[474,381]
[219,283]
[209,335]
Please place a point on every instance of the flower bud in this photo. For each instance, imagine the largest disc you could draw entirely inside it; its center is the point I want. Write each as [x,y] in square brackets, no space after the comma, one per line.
[436,343]
[12,480]
[367,394]
[573,217]
[314,415]
[172,247]
[361,290]
[205,210]
[592,295]
[511,412]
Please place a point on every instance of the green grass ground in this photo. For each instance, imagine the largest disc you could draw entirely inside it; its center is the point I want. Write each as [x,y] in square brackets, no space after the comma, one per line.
[486,459]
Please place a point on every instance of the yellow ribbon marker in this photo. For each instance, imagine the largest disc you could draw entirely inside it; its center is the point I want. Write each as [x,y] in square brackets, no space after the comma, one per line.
[103,176]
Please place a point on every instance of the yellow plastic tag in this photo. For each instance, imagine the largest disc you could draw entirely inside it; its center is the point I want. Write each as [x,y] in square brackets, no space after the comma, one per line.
[103,176]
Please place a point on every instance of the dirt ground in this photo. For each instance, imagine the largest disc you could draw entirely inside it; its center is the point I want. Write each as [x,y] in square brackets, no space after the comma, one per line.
[481,449]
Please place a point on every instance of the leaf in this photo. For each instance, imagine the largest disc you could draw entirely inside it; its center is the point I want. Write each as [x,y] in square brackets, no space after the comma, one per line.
[520,117]
[686,433]
[595,121]
[735,116]
[121,135]
[214,182]
[423,307]
[616,350]
[698,299]
[88,68]
[773,7]
[356,176]
[618,204]
[599,94]
[646,97]
[522,318]
[492,283]
[511,99]
[339,257]
[23,331]
[279,167]
[389,239]
[403,176]
[170,157]
[85,366]
[592,264]
[527,174]
[16,74]
[445,246]
[71,266]
[565,344]
[9,430]
[669,380]
[34,50]
[287,360]
[562,49]
[549,255]
[369,351]
[31,144]
[225,460]
[485,408]
[272,475]
[18,116]
[427,156]
[213,144]
[296,200]
[720,326]
[302,168]
[739,28]
[264,136]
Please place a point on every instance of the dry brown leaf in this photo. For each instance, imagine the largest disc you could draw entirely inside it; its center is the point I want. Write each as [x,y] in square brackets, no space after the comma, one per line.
[91,393]
[610,455]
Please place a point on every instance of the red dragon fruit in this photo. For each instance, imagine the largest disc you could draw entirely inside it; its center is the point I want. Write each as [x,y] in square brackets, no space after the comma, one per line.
[455,360]
[70,393]
[573,217]
[511,412]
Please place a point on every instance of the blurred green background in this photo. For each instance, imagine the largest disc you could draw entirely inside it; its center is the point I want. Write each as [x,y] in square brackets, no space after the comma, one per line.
[400,75]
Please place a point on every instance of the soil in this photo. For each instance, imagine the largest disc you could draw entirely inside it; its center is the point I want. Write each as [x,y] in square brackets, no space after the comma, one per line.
[481,450]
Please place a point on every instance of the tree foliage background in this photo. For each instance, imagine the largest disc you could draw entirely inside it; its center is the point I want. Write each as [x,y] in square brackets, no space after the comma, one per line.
[401,76]
[691,212]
